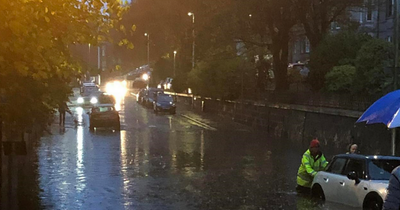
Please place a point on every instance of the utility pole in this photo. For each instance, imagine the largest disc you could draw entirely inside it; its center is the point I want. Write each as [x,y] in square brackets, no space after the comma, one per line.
[396,62]
[148,48]
[174,63]
[194,39]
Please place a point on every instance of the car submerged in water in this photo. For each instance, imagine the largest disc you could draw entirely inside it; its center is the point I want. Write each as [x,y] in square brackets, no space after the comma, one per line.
[355,180]
[104,116]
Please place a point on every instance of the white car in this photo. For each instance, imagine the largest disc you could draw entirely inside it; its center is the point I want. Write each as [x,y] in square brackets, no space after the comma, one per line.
[355,180]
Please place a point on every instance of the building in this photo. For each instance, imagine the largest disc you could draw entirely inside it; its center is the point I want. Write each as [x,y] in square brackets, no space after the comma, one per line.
[375,18]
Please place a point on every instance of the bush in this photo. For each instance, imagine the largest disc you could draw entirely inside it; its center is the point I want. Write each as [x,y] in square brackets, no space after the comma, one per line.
[334,50]
[340,79]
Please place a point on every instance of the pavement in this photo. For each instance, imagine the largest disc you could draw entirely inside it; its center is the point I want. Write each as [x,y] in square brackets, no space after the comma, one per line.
[189,160]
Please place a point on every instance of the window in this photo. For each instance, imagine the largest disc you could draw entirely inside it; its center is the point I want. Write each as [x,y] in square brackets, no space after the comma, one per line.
[389,39]
[369,10]
[389,8]
[357,166]
[302,46]
[103,51]
[381,169]
[307,46]
[337,166]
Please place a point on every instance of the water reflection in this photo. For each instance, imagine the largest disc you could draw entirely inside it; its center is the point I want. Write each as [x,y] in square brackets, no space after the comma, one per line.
[80,175]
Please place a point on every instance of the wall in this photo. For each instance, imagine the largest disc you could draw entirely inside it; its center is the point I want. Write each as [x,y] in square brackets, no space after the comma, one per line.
[296,125]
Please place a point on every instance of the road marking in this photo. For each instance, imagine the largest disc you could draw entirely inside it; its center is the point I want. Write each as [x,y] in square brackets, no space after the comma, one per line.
[198,123]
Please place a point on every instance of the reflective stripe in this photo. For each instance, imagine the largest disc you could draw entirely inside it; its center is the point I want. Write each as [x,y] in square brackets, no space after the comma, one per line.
[313,173]
[306,163]
[307,155]
[305,178]
[323,162]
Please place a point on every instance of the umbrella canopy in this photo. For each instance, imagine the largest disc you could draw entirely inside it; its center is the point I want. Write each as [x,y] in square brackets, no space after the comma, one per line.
[385,110]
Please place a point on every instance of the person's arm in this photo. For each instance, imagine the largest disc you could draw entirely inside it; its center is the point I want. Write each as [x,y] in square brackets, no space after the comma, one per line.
[306,162]
[324,162]
[392,200]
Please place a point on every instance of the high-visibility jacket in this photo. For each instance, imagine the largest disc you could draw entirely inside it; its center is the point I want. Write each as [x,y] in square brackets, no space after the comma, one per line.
[309,167]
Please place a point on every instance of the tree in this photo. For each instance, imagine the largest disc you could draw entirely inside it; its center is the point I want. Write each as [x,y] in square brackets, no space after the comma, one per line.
[316,16]
[373,58]
[334,50]
[36,64]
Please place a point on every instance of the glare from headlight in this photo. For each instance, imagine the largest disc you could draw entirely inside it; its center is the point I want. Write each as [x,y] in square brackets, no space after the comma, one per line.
[93,100]
[80,100]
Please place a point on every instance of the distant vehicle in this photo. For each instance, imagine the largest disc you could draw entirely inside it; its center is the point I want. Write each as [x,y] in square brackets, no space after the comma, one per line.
[104,115]
[106,99]
[355,180]
[164,103]
[150,96]
[88,89]
[89,100]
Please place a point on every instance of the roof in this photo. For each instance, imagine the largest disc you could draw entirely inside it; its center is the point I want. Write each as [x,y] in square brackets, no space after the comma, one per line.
[89,84]
[369,157]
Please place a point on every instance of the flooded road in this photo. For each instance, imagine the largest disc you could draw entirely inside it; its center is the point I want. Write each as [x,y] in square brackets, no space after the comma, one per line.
[182,161]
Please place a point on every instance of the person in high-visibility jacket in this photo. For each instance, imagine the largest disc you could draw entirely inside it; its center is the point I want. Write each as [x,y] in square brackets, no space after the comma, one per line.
[312,161]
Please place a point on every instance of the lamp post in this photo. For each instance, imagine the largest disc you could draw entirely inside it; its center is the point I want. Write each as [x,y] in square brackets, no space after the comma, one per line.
[175,63]
[396,62]
[148,48]
[191,14]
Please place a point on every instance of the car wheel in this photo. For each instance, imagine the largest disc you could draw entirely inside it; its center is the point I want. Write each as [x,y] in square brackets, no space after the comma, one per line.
[375,203]
[317,192]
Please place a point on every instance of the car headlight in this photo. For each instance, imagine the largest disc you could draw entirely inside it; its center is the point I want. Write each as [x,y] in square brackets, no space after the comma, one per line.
[80,100]
[93,100]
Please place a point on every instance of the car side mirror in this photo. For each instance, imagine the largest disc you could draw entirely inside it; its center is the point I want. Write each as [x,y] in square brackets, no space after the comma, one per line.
[353,176]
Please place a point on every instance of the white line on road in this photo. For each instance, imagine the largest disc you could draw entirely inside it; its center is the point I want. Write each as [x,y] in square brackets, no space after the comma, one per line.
[198,123]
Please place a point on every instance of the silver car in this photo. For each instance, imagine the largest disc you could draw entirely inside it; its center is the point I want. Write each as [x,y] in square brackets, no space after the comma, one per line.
[355,180]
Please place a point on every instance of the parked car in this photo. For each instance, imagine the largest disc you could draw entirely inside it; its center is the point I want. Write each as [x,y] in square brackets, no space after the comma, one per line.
[164,103]
[150,96]
[355,180]
[104,115]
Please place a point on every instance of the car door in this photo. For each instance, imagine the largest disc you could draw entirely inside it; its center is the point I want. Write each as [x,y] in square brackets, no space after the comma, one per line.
[353,193]
[331,177]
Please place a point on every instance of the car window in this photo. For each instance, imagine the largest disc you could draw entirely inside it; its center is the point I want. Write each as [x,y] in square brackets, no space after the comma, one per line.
[355,165]
[381,169]
[103,109]
[337,166]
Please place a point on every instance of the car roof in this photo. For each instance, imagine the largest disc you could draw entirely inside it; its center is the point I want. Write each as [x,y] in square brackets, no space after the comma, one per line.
[89,84]
[104,105]
[368,157]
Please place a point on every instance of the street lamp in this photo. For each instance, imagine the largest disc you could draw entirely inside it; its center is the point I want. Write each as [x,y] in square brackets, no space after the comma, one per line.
[174,63]
[148,48]
[193,36]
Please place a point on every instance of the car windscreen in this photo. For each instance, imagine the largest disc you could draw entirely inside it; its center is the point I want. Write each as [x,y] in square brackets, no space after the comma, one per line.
[166,98]
[103,109]
[88,89]
[381,169]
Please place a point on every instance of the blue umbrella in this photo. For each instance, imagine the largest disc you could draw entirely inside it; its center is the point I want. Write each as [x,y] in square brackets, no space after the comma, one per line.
[385,110]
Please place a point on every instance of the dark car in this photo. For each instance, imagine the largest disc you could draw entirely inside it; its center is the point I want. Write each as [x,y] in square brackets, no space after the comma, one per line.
[104,115]
[164,103]
[106,99]
[151,95]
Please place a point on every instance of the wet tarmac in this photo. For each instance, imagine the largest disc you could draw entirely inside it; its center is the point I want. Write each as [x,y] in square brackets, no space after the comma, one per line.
[183,161]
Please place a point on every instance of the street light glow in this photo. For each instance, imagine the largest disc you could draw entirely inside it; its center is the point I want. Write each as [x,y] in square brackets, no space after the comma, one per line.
[145,77]
[190,13]
[145,34]
[175,52]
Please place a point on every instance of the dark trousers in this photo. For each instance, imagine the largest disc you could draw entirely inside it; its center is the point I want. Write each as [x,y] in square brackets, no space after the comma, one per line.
[303,190]
[62,118]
